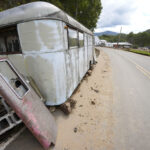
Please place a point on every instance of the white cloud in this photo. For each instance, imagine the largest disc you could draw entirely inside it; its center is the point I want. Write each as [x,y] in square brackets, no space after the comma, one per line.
[132,15]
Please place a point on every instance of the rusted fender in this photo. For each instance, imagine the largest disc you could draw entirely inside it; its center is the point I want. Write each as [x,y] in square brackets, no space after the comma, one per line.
[27,105]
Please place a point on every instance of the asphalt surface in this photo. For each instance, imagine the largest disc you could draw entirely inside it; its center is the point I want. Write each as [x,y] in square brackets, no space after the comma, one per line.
[131,76]
[131,81]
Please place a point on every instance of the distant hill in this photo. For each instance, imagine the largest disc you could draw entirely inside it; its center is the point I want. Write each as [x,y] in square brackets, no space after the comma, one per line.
[105,33]
[148,31]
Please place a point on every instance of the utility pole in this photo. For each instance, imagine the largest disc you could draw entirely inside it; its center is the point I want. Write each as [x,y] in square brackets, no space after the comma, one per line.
[119,36]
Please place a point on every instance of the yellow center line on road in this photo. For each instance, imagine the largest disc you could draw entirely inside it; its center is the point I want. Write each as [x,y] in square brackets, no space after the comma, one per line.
[143,70]
[140,68]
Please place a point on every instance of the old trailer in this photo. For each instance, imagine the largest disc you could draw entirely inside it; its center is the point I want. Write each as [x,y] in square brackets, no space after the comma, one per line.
[48,46]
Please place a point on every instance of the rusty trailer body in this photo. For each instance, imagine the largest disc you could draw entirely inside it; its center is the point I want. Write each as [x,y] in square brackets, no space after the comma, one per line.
[47,45]
[26,104]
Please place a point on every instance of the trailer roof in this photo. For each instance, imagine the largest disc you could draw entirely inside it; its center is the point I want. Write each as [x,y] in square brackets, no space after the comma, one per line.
[37,10]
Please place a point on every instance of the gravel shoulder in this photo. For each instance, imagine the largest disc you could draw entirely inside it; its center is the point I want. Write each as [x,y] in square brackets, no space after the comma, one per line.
[90,125]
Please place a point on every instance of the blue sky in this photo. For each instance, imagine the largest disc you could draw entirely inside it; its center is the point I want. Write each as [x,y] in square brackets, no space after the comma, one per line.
[132,15]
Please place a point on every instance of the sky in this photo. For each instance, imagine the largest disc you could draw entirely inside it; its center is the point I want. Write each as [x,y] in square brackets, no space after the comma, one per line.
[131,15]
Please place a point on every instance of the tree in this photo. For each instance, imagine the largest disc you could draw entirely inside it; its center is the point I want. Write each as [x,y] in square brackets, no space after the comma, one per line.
[130,37]
[6,4]
[85,11]
[140,39]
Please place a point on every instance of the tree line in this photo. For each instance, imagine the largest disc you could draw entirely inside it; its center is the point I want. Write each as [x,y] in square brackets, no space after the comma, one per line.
[85,11]
[141,39]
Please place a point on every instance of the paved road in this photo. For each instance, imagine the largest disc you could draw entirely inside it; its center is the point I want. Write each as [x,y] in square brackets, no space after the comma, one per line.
[131,74]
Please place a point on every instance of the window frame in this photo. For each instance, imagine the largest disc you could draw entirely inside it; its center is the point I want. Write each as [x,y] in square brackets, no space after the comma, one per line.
[89,38]
[80,32]
[69,46]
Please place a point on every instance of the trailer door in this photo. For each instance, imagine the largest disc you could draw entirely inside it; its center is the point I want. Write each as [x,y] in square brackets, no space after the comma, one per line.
[27,105]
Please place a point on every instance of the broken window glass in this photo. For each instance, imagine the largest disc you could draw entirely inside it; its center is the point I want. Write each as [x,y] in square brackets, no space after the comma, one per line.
[9,41]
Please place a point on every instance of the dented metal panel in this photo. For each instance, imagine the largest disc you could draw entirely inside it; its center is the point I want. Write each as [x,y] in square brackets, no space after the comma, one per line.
[27,105]
[72,70]
[50,75]
[90,49]
[86,52]
[47,51]
[82,67]
[41,36]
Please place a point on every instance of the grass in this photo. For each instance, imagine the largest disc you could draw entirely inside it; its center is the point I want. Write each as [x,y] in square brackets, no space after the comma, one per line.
[140,52]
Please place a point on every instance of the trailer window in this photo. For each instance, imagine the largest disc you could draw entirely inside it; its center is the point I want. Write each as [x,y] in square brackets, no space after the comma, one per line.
[9,41]
[73,38]
[81,39]
[2,45]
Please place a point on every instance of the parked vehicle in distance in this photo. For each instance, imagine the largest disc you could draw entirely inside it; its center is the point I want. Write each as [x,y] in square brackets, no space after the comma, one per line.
[47,45]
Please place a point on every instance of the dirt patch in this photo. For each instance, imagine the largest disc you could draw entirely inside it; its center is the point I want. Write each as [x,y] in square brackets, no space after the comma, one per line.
[68,106]
[90,125]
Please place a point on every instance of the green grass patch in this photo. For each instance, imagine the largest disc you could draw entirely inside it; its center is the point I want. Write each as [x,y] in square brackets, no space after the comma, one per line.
[140,52]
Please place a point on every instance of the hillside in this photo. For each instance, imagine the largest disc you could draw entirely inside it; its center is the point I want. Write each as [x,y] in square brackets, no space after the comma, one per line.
[148,31]
[105,33]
